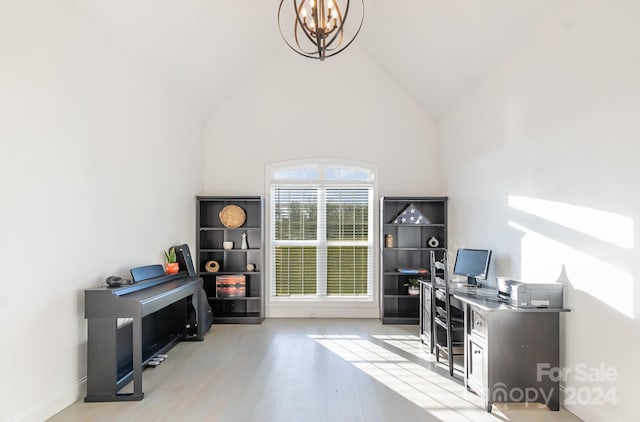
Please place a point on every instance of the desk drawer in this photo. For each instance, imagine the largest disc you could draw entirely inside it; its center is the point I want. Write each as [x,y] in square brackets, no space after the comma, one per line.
[478,322]
[475,367]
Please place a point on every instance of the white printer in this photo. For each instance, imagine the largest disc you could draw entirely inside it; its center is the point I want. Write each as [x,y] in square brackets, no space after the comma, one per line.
[522,294]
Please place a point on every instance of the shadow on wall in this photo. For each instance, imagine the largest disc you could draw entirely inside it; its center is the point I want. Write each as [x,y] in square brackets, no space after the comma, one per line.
[599,374]
[591,252]
[591,249]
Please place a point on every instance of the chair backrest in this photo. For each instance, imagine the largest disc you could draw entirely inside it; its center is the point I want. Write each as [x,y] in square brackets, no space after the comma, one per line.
[442,283]
[442,266]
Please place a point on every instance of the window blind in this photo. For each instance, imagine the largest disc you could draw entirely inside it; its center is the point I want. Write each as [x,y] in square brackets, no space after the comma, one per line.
[321,240]
[296,214]
[296,270]
[347,229]
[295,225]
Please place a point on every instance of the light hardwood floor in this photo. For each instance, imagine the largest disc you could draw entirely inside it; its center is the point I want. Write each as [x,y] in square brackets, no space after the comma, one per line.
[304,370]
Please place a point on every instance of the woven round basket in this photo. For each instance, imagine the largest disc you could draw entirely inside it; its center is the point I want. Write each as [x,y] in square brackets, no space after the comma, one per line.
[232,216]
[212,266]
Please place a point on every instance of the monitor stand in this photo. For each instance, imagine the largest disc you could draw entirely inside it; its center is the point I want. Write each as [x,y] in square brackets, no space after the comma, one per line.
[472,282]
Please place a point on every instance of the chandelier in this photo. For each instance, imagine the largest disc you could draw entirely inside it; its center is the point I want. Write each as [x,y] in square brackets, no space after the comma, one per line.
[317,28]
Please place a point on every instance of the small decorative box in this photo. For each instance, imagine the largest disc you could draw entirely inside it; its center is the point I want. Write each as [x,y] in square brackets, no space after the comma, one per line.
[231,286]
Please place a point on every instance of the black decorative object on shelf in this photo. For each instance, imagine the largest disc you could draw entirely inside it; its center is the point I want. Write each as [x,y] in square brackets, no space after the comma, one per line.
[433,242]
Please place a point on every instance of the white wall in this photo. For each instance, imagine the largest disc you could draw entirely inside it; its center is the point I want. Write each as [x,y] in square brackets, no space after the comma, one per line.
[345,108]
[541,165]
[99,170]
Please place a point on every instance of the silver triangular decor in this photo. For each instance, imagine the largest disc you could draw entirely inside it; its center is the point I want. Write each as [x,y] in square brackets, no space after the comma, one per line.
[411,215]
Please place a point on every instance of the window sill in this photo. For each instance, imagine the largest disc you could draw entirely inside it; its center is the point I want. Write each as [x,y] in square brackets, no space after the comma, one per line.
[322,309]
[321,299]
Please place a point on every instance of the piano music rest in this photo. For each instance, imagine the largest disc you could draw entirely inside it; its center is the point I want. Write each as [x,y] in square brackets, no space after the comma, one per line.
[130,325]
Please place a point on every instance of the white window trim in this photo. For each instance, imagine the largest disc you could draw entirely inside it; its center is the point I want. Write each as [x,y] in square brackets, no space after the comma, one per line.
[323,306]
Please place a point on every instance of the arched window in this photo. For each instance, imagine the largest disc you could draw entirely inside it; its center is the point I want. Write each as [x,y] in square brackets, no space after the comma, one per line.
[321,230]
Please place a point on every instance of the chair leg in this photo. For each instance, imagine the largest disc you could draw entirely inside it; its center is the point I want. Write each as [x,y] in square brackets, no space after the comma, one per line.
[433,336]
[450,350]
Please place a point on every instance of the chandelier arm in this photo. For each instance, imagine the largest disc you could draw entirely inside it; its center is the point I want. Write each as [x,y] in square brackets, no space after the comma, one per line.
[319,37]
[338,30]
[354,37]
[295,36]
[342,22]
[301,52]
[295,7]
[301,25]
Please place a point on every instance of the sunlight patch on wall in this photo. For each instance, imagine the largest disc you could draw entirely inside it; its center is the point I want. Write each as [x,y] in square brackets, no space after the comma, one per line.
[543,259]
[613,228]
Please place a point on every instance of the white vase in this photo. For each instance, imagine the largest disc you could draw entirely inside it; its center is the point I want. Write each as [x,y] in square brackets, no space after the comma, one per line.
[244,241]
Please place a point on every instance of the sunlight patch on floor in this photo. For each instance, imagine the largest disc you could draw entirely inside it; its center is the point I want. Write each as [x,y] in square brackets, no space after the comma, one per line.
[407,343]
[442,397]
[359,350]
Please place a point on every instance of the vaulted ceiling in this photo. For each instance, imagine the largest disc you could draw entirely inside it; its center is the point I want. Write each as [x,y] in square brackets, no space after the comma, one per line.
[205,50]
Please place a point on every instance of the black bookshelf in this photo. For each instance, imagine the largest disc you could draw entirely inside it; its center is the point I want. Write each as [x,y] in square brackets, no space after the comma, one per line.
[410,251]
[211,233]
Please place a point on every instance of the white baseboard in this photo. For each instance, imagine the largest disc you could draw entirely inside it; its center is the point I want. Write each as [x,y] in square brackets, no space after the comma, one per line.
[53,404]
[585,412]
[302,311]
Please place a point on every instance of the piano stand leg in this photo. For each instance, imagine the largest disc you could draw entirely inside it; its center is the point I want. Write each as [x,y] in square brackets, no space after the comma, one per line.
[137,359]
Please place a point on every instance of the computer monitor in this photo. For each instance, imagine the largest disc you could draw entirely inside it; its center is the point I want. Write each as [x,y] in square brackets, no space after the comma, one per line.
[473,263]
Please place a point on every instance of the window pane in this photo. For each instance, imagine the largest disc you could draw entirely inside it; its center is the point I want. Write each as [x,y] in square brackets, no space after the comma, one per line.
[309,173]
[347,268]
[345,173]
[347,214]
[295,270]
[296,214]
